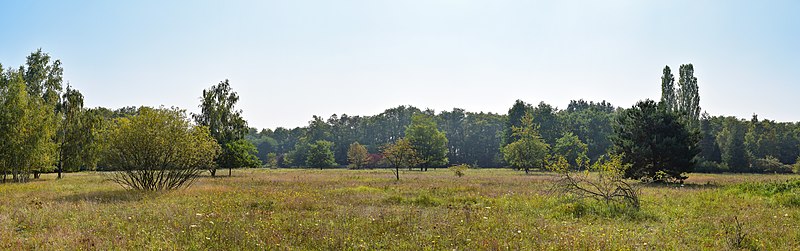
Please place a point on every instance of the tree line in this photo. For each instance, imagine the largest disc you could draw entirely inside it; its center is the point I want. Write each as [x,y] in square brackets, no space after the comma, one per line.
[44,127]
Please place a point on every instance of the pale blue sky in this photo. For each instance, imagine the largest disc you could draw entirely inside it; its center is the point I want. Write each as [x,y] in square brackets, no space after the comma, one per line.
[290,60]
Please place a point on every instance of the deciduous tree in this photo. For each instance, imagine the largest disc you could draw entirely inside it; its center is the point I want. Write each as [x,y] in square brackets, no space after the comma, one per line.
[428,141]
[573,149]
[238,154]
[219,114]
[357,155]
[320,155]
[401,154]
[529,150]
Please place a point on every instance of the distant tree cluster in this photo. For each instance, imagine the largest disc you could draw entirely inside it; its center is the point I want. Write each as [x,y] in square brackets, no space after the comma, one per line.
[462,137]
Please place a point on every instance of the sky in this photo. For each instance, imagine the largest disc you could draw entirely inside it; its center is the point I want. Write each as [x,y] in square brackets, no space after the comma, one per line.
[289,60]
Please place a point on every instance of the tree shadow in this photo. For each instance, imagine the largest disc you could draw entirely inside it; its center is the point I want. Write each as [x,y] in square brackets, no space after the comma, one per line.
[707,185]
[108,196]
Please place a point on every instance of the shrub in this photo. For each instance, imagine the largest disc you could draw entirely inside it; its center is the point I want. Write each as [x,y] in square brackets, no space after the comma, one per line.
[770,164]
[605,183]
[157,149]
[272,161]
[705,166]
[459,170]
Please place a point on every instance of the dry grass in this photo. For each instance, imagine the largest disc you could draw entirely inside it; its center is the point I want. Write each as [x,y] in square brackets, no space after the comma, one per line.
[346,209]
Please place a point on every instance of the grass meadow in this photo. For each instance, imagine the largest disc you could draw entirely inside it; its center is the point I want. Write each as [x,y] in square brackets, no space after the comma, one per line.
[487,209]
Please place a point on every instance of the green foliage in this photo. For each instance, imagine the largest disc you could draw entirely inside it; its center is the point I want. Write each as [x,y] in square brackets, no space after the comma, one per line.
[401,154]
[770,165]
[514,119]
[573,149]
[320,155]
[76,133]
[272,160]
[219,114]
[429,143]
[732,146]
[785,193]
[27,127]
[239,153]
[653,141]
[157,149]
[357,155]
[459,170]
[593,123]
[688,97]
[529,151]
[605,183]
[668,96]
[796,166]
[547,123]
[297,156]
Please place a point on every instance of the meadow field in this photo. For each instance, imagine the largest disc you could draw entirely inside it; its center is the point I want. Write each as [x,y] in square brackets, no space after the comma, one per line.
[487,209]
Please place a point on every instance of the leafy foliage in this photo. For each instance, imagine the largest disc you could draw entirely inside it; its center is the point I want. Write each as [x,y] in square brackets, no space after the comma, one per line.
[239,153]
[605,182]
[573,149]
[654,141]
[459,170]
[529,151]
[427,141]
[320,154]
[401,154]
[76,133]
[357,155]
[668,95]
[26,130]
[219,114]
[158,149]
[771,165]
[688,97]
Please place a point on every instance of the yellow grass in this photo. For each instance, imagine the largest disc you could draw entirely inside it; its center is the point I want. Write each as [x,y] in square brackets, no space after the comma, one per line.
[345,209]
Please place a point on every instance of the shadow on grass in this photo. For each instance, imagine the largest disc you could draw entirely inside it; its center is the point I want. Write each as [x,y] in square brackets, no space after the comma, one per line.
[109,196]
[707,185]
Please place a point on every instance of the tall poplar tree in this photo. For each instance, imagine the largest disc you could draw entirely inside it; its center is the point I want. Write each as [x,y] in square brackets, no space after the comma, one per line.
[668,89]
[689,96]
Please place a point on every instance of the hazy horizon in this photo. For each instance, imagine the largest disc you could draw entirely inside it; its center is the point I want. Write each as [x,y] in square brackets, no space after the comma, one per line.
[291,60]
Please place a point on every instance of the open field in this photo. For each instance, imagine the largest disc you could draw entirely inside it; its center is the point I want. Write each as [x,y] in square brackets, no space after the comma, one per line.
[345,209]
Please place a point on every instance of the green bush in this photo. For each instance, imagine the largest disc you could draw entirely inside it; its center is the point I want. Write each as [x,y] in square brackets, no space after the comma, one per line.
[705,166]
[770,165]
[459,170]
[796,166]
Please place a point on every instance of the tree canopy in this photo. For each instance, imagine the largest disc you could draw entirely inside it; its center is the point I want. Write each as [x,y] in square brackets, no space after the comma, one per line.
[529,150]
[427,140]
[158,149]
[219,114]
[655,142]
